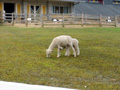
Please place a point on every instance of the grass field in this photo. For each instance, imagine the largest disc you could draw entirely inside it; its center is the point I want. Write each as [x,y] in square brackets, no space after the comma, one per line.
[23,58]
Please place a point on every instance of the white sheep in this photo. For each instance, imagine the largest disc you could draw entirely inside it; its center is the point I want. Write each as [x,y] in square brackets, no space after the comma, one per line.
[75,45]
[60,42]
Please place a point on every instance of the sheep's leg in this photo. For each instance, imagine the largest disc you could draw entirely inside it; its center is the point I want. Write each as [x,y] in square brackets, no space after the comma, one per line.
[74,52]
[59,47]
[59,51]
[58,54]
[67,53]
[78,51]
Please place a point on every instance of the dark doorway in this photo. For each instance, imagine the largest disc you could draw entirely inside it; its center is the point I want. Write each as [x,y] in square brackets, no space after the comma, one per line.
[9,7]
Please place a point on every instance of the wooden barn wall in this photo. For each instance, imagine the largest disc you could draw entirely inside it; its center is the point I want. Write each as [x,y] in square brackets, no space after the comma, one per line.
[11,1]
[49,4]
[66,4]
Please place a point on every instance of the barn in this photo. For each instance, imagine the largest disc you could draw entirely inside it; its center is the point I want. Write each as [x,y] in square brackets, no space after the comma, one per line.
[60,11]
[111,7]
[37,6]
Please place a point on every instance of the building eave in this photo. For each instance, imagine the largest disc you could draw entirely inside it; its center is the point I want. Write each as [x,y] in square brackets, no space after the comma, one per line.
[116,0]
[69,0]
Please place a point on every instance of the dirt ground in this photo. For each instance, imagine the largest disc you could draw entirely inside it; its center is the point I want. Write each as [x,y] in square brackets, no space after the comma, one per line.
[55,25]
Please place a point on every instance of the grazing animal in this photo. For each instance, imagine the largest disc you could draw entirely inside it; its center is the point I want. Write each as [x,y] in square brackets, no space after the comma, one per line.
[60,42]
[75,45]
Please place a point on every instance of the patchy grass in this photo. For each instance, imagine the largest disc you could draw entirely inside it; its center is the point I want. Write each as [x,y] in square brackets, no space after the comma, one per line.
[23,58]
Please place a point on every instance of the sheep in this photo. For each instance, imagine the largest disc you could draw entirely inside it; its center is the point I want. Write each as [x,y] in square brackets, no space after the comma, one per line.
[60,42]
[75,45]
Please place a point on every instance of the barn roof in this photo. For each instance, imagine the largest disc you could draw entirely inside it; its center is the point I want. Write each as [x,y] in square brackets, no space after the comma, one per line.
[116,0]
[97,9]
[70,0]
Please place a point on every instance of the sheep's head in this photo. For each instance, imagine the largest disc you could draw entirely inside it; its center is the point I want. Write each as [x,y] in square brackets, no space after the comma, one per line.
[48,52]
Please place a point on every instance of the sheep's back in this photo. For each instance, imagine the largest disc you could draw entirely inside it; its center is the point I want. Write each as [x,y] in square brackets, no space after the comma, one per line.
[63,40]
[74,40]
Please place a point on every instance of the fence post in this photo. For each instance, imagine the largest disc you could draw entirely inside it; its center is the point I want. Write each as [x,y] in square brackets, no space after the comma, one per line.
[100,22]
[73,18]
[42,22]
[12,19]
[86,17]
[26,21]
[3,14]
[63,21]
[116,21]
[82,18]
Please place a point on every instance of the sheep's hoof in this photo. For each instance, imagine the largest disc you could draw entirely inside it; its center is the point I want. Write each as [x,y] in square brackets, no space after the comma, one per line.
[58,56]
[74,55]
[66,55]
[78,54]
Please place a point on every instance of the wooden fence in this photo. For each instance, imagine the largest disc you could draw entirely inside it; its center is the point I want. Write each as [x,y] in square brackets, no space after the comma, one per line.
[63,20]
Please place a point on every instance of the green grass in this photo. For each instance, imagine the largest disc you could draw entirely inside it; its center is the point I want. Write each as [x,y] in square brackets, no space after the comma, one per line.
[23,58]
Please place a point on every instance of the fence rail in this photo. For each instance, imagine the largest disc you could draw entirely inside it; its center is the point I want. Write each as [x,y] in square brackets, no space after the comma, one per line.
[59,19]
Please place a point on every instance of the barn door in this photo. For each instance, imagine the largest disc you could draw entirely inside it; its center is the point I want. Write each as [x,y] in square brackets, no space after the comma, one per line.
[18,8]
[35,12]
[1,6]
[43,9]
[28,9]
[1,10]
[44,12]
[34,9]
[37,9]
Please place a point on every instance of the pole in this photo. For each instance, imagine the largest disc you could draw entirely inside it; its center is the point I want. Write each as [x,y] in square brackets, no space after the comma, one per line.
[42,22]
[26,21]
[82,18]
[63,21]
[100,22]
[12,19]
[116,21]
